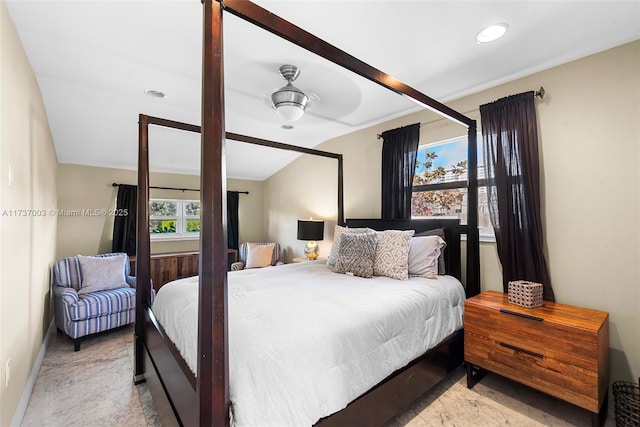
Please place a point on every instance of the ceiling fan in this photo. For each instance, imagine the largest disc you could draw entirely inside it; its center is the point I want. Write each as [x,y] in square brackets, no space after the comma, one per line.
[289,102]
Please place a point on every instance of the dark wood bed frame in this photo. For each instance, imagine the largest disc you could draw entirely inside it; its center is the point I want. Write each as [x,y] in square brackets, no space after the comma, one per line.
[184,399]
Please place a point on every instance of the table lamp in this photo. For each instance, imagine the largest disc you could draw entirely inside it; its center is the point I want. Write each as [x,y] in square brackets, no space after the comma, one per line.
[311,230]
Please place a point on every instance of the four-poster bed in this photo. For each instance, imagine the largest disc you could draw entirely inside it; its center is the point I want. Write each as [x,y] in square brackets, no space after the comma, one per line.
[203,399]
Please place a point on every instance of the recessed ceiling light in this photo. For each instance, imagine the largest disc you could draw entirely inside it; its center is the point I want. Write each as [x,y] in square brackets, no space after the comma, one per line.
[154,93]
[287,127]
[491,33]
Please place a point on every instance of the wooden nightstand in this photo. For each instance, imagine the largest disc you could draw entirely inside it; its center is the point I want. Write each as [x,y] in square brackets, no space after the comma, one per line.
[558,349]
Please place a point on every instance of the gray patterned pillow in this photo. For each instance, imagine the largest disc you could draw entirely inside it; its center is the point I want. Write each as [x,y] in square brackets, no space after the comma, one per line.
[392,253]
[337,234]
[356,254]
[102,273]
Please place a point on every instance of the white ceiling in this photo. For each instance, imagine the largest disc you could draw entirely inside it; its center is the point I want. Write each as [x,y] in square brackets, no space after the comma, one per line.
[94,59]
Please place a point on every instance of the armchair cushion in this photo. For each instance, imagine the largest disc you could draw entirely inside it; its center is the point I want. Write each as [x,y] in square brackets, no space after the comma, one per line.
[102,273]
[101,303]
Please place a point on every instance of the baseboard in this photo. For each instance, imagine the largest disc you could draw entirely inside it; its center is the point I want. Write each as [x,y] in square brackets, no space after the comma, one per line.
[31,381]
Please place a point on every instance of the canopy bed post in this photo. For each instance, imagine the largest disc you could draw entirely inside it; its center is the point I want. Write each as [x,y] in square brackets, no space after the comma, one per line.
[213,346]
[473,236]
[340,192]
[143,247]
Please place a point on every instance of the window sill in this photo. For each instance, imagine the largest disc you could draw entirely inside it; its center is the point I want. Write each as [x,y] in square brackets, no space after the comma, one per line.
[174,239]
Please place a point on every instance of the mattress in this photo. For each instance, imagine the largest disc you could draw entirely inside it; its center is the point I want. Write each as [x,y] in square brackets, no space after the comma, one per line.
[304,341]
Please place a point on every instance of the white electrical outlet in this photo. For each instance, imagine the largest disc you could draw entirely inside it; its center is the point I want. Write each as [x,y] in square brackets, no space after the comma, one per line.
[7,373]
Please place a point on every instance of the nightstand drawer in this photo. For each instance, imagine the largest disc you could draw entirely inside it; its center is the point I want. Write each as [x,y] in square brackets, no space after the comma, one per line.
[531,366]
[572,345]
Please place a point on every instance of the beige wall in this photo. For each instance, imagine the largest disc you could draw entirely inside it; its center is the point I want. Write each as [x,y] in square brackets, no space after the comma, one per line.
[27,247]
[589,125]
[89,187]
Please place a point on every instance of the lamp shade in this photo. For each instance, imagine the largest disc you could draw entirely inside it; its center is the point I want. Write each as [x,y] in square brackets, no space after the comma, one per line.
[310,229]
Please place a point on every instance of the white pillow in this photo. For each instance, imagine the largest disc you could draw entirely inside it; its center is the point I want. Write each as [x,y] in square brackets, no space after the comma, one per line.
[335,248]
[259,255]
[102,273]
[392,252]
[423,256]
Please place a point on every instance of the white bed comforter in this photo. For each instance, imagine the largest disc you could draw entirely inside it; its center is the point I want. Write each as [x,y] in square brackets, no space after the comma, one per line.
[304,341]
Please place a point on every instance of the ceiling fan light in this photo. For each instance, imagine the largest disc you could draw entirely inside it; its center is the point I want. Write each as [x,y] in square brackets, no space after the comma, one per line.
[289,102]
[289,113]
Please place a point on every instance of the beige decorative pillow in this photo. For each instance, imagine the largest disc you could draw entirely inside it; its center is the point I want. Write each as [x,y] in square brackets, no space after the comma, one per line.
[259,255]
[392,253]
[337,233]
[102,273]
[356,254]
[423,256]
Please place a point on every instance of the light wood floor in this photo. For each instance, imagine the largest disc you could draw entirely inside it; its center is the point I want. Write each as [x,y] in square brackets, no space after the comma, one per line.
[94,387]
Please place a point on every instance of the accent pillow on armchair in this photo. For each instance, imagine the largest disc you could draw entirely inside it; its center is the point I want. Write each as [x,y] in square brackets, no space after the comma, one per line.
[257,255]
[102,273]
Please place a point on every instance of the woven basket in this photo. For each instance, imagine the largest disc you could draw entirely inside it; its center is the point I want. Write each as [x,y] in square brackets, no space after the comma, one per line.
[525,293]
[627,402]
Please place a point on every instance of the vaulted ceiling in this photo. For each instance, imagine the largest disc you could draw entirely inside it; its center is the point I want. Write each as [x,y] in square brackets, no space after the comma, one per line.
[95,59]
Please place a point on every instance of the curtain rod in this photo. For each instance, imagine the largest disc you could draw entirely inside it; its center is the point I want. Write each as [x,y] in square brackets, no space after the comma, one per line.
[178,189]
[537,94]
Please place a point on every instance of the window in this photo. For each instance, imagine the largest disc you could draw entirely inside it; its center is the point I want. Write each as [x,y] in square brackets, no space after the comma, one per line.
[440,183]
[174,219]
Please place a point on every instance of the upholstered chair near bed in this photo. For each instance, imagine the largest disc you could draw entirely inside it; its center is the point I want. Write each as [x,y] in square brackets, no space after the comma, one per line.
[256,255]
[93,294]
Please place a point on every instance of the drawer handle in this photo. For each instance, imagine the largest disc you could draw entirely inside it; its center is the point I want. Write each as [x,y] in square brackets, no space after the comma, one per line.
[521,350]
[526,316]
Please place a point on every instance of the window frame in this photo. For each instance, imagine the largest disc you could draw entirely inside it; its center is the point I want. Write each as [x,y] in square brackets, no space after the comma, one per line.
[487,234]
[181,219]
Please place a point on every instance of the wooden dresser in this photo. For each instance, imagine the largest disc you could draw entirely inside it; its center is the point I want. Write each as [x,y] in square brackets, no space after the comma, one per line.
[558,349]
[172,266]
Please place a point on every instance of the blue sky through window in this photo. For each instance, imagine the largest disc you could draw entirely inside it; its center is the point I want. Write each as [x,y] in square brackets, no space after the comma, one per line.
[449,153]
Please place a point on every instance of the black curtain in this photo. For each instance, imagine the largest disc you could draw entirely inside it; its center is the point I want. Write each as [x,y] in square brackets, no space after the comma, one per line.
[124,226]
[233,199]
[399,153]
[510,135]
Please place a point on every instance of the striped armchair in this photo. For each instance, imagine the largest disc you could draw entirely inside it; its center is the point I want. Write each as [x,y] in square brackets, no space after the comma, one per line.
[243,256]
[81,312]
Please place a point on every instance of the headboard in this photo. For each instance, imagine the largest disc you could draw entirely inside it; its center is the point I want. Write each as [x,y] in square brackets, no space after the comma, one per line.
[452,231]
